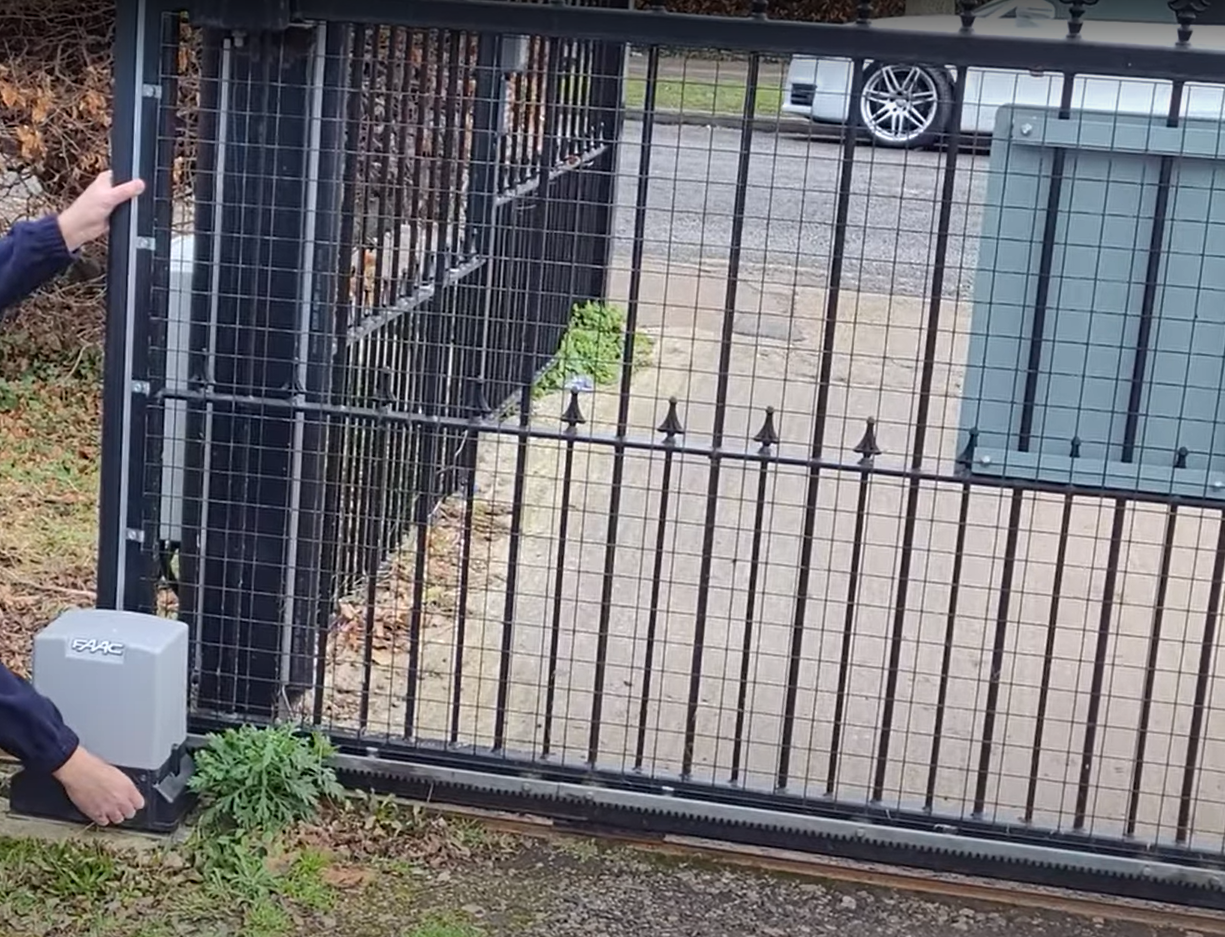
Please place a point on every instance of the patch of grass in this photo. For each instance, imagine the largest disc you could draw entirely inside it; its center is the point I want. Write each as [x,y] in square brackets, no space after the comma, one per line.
[692,96]
[49,433]
[592,348]
[266,919]
[469,833]
[304,881]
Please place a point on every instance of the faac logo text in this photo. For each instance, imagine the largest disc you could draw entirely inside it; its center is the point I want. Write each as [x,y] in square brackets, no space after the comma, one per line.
[94,646]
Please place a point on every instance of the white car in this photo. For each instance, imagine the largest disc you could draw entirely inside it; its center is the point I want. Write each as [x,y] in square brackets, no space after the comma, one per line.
[912,105]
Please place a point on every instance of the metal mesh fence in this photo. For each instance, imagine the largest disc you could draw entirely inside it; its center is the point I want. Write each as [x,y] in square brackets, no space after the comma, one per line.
[829,429]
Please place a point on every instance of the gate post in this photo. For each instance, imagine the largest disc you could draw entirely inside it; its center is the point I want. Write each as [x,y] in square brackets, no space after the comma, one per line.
[266,268]
[124,563]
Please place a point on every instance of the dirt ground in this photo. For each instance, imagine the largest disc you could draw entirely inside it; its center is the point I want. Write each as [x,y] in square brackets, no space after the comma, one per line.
[774,363]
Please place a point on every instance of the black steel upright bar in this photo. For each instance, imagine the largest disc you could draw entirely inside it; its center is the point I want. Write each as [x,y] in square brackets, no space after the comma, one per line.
[134,138]
[816,451]
[533,300]
[723,380]
[259,550]
[922,415]
[637,255]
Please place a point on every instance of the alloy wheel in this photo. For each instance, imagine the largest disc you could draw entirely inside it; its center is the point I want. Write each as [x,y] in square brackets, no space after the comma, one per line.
[899,103]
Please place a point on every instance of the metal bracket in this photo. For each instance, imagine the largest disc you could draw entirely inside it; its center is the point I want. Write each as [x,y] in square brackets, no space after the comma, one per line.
[151,91]
[245,15]
[140,387]
[135,535]
[146,243]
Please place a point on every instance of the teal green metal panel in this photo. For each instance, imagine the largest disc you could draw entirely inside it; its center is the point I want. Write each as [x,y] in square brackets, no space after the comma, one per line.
[1100,236]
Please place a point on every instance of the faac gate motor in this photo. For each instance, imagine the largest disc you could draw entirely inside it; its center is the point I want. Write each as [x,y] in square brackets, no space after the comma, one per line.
[120,681]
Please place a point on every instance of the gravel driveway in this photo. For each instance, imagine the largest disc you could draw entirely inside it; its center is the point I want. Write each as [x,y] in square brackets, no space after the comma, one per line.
[558,890]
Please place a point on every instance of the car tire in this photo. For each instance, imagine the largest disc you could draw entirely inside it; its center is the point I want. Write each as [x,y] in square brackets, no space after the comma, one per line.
[905,106]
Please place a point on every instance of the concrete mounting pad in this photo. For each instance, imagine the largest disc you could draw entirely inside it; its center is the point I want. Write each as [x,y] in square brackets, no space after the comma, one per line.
[13,826]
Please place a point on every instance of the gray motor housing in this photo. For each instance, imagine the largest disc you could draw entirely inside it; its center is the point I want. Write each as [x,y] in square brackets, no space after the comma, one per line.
[119,679]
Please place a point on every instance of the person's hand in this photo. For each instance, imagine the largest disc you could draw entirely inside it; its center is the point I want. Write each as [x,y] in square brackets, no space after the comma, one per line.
[87,217]
[100,791]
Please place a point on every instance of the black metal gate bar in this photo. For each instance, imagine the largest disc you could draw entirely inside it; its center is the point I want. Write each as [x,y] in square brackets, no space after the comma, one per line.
[922,413]
[820,422]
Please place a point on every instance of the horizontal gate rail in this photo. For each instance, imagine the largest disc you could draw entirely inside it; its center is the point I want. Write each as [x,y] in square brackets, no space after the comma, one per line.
[659,28]
[374,415]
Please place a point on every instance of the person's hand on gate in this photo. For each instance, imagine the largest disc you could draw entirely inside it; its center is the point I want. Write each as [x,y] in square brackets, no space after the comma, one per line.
[100,791]
[87,217]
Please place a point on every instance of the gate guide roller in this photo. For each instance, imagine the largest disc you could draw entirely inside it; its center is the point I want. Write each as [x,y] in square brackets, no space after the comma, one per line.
[119,680]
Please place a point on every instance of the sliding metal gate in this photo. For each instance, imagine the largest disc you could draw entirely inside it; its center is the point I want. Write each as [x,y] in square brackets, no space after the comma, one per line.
[550,420]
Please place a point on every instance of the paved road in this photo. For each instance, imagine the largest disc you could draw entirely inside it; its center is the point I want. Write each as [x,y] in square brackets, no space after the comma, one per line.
[791,204]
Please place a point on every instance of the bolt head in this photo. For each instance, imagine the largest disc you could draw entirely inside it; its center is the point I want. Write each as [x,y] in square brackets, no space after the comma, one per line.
[984,460]
[1217,485]
[1026,129]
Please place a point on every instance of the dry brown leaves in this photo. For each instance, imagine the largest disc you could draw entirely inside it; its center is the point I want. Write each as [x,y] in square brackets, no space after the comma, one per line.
[55,90]
[395,591]
[363,829]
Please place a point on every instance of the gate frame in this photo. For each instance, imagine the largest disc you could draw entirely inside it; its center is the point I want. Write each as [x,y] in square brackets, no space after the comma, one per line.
[583,794]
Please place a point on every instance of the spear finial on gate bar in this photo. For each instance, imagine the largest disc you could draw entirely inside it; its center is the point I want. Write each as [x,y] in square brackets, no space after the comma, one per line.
[573,414]
[966,458]
[1180,457]
[1076,13]
[867,448]
[671,426]
[1186,11]
[759,9]
[767,436]
[1075,448]
[965,9]
[863,12]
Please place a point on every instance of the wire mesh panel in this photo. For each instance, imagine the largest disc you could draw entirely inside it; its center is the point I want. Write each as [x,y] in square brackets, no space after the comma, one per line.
[807,425]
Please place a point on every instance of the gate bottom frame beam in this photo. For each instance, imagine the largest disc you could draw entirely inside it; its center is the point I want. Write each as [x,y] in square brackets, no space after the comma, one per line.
[606,801]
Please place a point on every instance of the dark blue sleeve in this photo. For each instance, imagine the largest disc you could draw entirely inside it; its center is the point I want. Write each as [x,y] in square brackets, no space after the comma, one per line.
[31,727]
[30,254]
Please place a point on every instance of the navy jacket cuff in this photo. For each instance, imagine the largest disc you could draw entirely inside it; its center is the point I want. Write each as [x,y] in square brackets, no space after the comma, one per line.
[48,240]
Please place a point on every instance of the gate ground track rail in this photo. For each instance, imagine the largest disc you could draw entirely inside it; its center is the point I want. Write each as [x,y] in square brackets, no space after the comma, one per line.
[607,803]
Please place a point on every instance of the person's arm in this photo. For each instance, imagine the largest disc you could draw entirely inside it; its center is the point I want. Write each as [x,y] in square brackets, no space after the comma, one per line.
[30,255]
[31,727]
[34,251]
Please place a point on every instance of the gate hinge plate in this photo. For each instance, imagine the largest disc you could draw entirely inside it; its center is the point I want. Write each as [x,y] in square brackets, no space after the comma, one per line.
[140,387]
[151,91]
[135,535]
